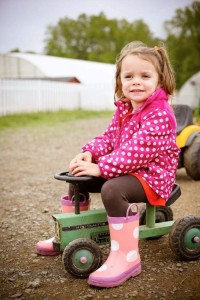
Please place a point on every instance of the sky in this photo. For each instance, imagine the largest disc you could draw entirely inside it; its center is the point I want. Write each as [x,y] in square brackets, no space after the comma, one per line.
[23,23]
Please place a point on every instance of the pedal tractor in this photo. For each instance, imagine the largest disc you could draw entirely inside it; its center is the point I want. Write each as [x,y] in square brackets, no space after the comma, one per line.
[80,234]
[188,140]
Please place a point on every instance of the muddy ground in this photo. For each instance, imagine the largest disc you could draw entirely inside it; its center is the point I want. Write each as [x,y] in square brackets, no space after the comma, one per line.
[30,195]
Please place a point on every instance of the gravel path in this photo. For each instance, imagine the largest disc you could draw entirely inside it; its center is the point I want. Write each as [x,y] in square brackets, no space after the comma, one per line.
[30,195]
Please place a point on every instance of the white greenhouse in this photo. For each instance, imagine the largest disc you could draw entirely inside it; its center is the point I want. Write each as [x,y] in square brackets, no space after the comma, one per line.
[189,94]
[31,82]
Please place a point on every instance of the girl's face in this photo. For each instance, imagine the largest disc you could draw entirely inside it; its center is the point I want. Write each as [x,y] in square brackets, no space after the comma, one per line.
[139,79]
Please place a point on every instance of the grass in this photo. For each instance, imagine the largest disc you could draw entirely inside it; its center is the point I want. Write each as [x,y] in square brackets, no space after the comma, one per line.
[48,118]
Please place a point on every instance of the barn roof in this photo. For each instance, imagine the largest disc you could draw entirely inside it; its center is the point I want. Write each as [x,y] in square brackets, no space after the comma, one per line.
[87,72]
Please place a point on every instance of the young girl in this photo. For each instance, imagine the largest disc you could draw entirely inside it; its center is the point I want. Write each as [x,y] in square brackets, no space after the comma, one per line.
[135,160]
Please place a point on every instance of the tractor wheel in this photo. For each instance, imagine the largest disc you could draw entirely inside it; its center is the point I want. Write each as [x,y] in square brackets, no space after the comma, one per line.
[163,214]
[81,257]
[192,159]
[184,238]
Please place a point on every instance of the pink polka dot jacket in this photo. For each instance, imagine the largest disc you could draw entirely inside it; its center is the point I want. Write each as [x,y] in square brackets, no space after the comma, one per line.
[142,141]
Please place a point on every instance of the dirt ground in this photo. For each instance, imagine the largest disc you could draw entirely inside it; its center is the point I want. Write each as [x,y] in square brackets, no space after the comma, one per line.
[30,195]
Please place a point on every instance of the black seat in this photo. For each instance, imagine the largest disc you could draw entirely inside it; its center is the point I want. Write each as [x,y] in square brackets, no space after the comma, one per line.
[175,194]
[183,114]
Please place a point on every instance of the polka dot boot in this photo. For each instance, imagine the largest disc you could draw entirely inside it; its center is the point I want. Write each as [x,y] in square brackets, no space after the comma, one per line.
[123,261]
[67,206]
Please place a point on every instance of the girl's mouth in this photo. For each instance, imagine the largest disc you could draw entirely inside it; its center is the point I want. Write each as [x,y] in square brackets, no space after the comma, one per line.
[137,91]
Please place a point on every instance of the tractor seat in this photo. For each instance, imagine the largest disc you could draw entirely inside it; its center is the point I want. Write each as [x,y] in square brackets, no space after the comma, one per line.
[183,114]
[175,194]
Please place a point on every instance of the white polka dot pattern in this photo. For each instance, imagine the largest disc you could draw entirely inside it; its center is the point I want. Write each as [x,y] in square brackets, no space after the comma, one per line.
[132,256]
[143,142]
[114,245]
[136,232]
[102,268]
[117,226]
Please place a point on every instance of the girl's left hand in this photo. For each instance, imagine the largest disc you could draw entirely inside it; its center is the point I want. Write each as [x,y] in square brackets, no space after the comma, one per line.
[85,168]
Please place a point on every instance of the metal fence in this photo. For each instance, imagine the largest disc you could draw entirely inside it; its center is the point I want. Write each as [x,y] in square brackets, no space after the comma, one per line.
[17,96]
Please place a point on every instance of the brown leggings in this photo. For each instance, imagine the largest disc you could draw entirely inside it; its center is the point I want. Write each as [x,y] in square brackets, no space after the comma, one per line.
[116,193]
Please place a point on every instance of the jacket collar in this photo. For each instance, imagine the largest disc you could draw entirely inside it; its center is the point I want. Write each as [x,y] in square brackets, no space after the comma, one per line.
[159,94]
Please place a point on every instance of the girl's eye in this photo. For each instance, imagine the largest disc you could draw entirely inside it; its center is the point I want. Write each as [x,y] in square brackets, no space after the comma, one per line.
[146,76]
[128,76]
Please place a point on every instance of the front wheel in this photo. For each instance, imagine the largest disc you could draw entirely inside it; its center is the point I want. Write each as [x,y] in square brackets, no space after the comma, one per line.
[81,257]
[184,238]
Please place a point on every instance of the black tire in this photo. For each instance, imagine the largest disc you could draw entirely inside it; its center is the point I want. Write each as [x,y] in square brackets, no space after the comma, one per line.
[163,214]
[184,238]
[84,249]
[142,216]
[192,159]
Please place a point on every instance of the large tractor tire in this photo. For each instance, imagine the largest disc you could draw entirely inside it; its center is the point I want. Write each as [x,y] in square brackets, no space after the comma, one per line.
[192,159]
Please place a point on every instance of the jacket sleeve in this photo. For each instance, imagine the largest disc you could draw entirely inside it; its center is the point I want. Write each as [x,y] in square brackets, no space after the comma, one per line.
[150,143]
[103,144]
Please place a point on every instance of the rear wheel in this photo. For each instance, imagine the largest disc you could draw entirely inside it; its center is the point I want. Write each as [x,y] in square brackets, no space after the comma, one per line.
[192,159]
[163,214]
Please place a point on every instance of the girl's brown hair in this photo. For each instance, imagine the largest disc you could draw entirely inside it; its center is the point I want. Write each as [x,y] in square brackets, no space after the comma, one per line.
[157,56]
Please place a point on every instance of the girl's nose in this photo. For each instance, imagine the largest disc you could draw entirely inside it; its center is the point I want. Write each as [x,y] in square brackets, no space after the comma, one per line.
[135,81]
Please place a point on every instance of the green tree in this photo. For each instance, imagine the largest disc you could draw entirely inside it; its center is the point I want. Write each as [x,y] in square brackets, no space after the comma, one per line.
[183,40]
[15,50]
[93,37]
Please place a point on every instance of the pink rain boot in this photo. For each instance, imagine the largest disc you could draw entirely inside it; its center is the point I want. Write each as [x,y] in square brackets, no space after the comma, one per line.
[67,206]
[123,261]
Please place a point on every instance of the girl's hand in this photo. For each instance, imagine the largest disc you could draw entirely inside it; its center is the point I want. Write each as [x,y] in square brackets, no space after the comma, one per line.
[84,168]
[86,156]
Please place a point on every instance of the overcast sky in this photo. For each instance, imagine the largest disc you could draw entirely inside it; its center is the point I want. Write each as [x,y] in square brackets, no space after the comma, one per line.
[23,22]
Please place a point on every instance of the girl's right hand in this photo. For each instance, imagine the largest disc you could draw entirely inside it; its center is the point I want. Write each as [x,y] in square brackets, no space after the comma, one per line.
[86,156]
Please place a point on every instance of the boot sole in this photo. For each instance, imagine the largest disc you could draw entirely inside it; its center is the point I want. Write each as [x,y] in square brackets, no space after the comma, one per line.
[48,253]
[115,281]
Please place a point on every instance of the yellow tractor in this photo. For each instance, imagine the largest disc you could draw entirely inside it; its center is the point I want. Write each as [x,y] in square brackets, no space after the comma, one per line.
[188,140]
